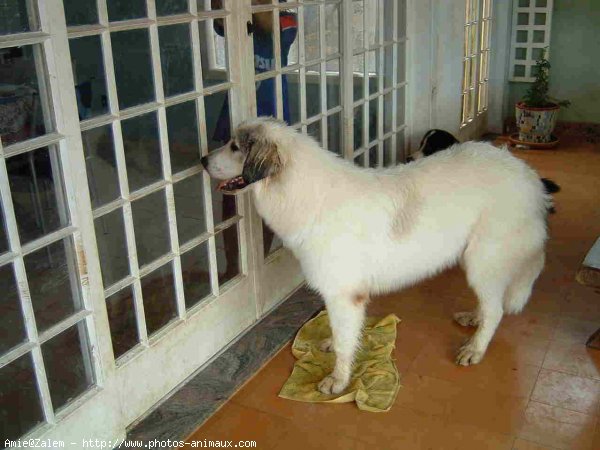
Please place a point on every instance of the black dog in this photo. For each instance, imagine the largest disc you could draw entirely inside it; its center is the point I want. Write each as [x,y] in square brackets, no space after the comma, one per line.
[437,140]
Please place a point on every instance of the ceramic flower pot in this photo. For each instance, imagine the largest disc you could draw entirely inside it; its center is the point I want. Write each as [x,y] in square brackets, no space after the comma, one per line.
[536,124]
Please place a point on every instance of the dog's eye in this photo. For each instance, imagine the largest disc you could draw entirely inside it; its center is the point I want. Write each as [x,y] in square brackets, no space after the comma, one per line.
[234,147]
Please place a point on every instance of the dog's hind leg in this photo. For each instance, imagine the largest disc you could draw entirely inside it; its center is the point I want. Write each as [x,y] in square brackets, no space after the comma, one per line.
[346,317]
[519,290]
[488,276]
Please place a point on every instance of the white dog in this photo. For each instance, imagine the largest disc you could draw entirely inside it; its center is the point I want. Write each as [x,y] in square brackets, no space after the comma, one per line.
[359,232]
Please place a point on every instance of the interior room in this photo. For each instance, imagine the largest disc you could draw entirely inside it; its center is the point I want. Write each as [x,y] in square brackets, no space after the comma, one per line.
[146,303]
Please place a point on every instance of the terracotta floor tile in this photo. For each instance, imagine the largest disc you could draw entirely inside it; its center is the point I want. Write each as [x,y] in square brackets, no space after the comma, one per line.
[529,324]
[505,375]
[575,331]
[238,423]
[557,427]
[522,444]
[296,437]
[582,302]
[489,410]
[573,358]
[399,428]
[427,395]
[567,391]
[468,437]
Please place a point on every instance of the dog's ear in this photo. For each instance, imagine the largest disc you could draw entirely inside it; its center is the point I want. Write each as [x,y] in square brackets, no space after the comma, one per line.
[263,159]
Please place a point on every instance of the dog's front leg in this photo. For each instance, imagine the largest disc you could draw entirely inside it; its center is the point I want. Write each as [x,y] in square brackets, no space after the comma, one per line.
[346,316]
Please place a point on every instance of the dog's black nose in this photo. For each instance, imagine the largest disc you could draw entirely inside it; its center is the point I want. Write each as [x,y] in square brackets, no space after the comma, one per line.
[409,159]
[204,161]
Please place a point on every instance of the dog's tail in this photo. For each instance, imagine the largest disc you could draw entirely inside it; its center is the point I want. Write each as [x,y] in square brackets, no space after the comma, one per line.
[550,186]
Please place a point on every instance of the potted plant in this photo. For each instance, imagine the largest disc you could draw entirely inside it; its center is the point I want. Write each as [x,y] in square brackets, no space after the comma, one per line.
[537,112]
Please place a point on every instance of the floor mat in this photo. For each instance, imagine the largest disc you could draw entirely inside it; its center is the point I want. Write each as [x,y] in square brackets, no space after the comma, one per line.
[375,379]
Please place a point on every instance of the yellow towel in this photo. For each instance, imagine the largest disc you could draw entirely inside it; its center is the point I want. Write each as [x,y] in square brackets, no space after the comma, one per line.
[375,380]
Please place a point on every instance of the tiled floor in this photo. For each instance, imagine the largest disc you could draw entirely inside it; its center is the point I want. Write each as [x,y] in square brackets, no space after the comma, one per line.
[538,387]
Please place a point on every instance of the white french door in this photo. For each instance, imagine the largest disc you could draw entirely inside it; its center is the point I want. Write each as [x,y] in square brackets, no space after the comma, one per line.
[476,67]
[122,269]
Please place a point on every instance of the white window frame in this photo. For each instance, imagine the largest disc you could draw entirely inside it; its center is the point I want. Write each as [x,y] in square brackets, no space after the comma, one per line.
[530,28]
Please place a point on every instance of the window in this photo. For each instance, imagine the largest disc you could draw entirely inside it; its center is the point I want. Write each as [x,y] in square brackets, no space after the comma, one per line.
[476,62]
[530,36]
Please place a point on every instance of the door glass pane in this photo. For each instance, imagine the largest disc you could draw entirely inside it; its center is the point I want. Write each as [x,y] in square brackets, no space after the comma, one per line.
[228,254]
[3,236]
[53,281]
[88,71]
[120,308]
[20,406]
[195,268]
[332,29]
[182,126]
[358,79]
[388,20]
[373,111]
[218,122]
[334,133]
[81,12]
[151,227]
[224,206]
[158,291]
[358,127]
[176,59]
[142,150]
[313,90]
[271,242]
[388,153]
[37,193]
[400,148]
[388,65]
[314,130]
[266,102]
[189,207]
[15,17]
[358,26]
[401,73]
[373,68]
[360,160]
[12,327]
[133,67]
[126,9]
[401,105]
[373,157]
[264,60]
[333,84]
[311,33]
[67,381]
[112,247]
[21,95]
[292,81]
[213,51]
[388,100]
[170,7]
[101,165]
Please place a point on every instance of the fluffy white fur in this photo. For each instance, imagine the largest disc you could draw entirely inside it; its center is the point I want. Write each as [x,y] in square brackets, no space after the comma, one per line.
[360,232]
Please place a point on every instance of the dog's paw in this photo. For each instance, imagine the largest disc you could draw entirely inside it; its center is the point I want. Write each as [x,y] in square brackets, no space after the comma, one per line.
[326,345]
[467,318]
[332,385]
[469,354]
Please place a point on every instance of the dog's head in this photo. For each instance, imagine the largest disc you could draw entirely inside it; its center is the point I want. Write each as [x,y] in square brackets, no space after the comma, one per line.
[253,154]
[434,141]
